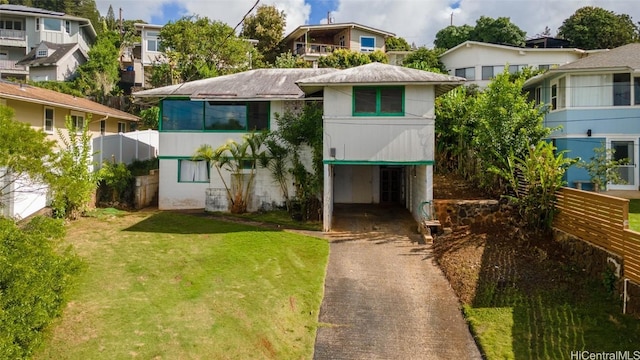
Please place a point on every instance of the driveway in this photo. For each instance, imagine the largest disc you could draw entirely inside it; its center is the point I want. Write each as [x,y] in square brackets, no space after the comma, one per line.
[384,296]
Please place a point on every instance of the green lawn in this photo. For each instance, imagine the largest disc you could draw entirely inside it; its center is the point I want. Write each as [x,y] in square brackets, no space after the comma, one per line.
[161,285]
[634,214]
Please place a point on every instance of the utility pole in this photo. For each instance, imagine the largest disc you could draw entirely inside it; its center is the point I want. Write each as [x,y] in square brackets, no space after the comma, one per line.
[451,23]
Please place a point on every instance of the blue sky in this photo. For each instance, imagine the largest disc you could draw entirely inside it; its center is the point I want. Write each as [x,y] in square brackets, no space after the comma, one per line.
[415,20]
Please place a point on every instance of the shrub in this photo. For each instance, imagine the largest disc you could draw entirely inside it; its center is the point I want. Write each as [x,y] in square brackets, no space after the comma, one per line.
[34,281]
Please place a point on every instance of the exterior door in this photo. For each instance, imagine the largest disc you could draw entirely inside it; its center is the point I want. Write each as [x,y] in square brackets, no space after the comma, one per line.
[625,149]
[391,185]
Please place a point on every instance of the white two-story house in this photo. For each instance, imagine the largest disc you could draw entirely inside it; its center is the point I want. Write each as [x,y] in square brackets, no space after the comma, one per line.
[378,122]
[137,59]
[51,43]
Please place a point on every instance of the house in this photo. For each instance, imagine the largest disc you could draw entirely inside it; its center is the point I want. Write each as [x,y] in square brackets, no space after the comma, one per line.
[36,32]
[378,144]
[47,110]
[594,102]
[313,41]
[137,59]
[53,62]
[479,62]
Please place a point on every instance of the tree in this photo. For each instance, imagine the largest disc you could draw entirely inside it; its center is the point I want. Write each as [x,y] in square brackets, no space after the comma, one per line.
[498,31]
[267,26]
[110,20]
[425,59]
[343,59]
[602,168]
[596,28]
[452,36]
[25,153]
[192,58]
[287,60]
[98,76]
[396,44]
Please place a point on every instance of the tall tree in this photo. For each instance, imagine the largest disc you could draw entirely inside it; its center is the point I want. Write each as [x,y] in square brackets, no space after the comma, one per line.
[452,36]
[267,26]
[110,20]
[99,76]
[222,52]
[396,44]
[499,31]
[596,28]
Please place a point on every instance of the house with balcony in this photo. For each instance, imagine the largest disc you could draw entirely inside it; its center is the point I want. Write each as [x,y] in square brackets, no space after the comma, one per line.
[25,29]
[595,102]
[313,41]
[378,125]
[479,62]
[47,110]
[137,60]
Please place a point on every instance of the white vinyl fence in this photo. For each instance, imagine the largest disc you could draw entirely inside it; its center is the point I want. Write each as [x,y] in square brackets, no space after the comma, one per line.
[126,147]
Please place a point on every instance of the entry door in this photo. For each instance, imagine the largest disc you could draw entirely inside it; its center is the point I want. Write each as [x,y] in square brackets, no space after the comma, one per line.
[625,149]
[391,185]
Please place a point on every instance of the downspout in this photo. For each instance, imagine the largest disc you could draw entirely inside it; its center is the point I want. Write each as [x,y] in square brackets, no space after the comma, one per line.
[624,303]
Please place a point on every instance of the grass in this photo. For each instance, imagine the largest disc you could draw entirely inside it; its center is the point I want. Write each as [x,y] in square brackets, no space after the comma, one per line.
[634,214]
[175,286]
[275,217]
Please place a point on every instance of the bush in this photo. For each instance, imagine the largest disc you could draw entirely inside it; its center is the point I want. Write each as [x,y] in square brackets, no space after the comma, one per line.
[34,281]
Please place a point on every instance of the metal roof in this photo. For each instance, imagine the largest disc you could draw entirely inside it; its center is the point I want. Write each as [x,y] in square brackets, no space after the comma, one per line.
[248,85]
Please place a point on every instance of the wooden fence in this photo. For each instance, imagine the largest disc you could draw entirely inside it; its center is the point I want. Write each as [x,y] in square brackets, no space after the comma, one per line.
[603,221]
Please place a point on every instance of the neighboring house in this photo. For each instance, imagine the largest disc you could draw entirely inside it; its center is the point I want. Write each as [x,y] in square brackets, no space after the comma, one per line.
[313,41]
[53,62]
[23,29]
[479,62]
[378,132]
[595,101]
[47,110]
[137,60]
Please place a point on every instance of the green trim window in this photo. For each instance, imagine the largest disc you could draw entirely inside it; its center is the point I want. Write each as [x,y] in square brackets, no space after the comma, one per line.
[187,115]
[193,171]
[378,101]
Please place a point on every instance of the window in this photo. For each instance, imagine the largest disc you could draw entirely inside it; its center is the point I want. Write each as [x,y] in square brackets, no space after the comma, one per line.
[467,73]
[341,41]
[153,42]
[538,95]
[488,72]
[48,120]
[37,24]
[103,127]
[67,26]
[50,24]
[367,43]
[554,96]
[378,101]
[215,115]
[42,53]
[77,120]
[621,89]
[591,90]
[544,67]
[513,69]
[636,90]
[122,127]
[193,171]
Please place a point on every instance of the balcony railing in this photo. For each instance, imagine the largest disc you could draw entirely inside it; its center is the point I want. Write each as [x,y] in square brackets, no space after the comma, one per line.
[10,65]
[13,34]
[314,48]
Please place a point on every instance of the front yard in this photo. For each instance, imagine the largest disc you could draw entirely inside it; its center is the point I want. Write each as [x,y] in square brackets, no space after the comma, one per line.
[177,286]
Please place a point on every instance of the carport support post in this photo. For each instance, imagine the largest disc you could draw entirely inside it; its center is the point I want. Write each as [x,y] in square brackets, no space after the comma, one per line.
[327,200]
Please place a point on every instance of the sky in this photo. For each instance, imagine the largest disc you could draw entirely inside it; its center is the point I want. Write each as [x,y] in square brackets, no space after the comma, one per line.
[417,21]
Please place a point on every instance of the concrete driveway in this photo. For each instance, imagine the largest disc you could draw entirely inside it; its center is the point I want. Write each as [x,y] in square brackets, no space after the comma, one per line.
[384,296]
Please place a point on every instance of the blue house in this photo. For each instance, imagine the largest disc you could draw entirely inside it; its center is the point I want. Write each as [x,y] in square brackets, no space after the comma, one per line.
[594,102]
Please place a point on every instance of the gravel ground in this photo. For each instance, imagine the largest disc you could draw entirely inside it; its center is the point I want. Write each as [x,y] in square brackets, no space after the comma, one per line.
[385,298]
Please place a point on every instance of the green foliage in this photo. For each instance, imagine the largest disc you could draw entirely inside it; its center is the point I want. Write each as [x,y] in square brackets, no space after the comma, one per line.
[296,131]
[396,44]
[142,167]
[163,74]
[276,159]
[35,279]
[150,117]
[452,36]
[116,177]
[72,182]
[378,56]
[232,156]
[534,181]
[267,26]
[596,28]
[98,76]
[425,59]
[602,168]
[287,60]
[110,20]
[192,58]
[498,31]
[24,151]
[65,87]
[343,59]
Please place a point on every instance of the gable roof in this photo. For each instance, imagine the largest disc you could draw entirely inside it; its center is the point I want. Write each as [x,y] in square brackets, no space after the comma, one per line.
[522,50]
[383,74]
[60,51]
[33,94]
[300,30]
[252,84]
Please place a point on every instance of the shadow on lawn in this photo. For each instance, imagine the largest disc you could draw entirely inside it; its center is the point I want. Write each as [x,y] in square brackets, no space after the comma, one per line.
[169,222]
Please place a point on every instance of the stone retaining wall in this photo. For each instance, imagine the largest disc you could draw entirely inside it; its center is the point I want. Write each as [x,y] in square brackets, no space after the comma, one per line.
[146,190]
[456,213]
